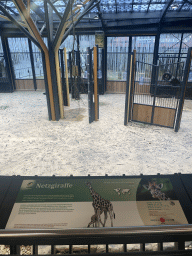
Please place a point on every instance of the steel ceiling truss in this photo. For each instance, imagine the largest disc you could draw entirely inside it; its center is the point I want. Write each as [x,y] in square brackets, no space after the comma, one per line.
[109,12]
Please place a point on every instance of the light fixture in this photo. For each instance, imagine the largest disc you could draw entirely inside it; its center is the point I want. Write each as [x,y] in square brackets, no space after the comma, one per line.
[79,4]
[96,17]
[174,6]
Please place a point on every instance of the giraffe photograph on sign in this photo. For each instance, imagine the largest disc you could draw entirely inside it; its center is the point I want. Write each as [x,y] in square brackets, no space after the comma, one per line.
[155,190]
[159,189]
[100,206]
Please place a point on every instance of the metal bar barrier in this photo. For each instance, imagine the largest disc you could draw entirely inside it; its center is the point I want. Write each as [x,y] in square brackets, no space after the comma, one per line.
[178,234]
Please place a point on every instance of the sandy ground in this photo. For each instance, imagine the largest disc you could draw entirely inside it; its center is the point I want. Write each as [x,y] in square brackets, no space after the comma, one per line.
[33,145]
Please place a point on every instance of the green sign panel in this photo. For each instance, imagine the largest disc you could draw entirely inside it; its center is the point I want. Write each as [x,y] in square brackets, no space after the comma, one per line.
[85,202]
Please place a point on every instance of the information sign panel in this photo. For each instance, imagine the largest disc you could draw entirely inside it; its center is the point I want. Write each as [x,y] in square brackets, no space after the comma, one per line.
[61,203]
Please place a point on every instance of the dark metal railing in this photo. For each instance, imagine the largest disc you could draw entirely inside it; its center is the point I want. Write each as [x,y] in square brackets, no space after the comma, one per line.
[178,234]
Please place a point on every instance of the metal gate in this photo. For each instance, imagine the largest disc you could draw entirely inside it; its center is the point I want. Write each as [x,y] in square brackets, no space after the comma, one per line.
[155,93]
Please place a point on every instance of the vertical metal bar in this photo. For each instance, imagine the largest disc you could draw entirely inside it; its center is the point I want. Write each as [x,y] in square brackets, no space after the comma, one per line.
[107,248]
[90,91]
[128,89]
[63,78]
[78,75]
[52,249]
[70,71]
[160,246]
[35,249]
[132,84]
[66,77]
[8,62]
[70,248]
[154,95]
[180,245]
[130,44]
[179,55]
[46,85]
[105,64]
[142,247]
[125,247]
[184,85]
[32,64]
[89,248]
[15,249]
[95,83]
[78,57]
[155,59]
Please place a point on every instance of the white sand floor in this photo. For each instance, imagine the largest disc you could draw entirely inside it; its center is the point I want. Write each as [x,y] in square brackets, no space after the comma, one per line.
[33,145]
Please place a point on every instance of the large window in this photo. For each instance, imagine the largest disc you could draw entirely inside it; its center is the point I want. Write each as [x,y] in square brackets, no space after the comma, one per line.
[84,42]
[38,64]
[173,53]
[117,55]
[186,43]
[2,62]
[19,49]
[144,46]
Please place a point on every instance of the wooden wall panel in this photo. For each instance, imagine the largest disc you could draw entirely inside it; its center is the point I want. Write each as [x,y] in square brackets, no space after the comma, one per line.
[116,86]
[164,116]
[120,87]
[27,84]
[40,84]
[142,113]
[142,89]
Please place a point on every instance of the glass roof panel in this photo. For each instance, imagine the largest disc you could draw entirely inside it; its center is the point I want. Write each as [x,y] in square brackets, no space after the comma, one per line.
[158,1]
[128,1]
[144,7]
[94,10]
[111,2]
[137,1]
[156,7]
[187,7]
[127,7]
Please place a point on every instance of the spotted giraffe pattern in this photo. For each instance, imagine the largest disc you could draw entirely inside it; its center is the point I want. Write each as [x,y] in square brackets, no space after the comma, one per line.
[101,205]
[94,220]
[155,190]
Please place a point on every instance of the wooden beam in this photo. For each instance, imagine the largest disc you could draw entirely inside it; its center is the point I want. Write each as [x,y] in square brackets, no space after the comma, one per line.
[60,93]
[20,23]
[20,26]
[21,6]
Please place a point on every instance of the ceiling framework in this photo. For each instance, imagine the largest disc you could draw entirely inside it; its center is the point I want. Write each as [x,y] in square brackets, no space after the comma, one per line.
[107,15]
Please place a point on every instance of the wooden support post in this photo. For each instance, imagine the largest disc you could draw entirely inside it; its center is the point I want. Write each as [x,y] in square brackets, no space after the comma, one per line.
[32,27]
[66,76]
[60,93]
[95,83]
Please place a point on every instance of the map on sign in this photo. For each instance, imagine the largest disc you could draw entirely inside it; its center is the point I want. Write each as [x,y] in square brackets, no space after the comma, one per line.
[62,203]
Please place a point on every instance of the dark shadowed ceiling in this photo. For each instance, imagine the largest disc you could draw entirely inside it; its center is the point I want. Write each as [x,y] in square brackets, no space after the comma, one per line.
[112,16]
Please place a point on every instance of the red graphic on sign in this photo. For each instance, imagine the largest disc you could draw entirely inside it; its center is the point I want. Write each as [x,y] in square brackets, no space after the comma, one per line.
[162,220]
